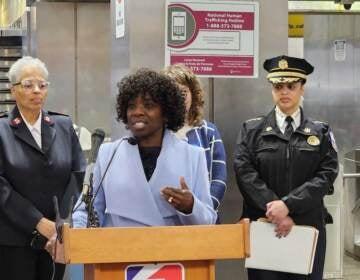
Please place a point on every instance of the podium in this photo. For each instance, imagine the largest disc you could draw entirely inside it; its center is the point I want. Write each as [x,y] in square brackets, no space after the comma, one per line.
[107,252]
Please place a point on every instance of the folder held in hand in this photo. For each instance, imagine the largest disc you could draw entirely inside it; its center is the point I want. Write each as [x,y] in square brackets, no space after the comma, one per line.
[293,253]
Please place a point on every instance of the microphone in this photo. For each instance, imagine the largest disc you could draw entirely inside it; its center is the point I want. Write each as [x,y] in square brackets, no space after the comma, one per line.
[60,221]
[96,140]
[131,140]
[97,137]
[93,220]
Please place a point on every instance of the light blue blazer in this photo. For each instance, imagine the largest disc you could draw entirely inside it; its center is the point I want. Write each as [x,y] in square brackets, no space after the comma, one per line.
[126,198]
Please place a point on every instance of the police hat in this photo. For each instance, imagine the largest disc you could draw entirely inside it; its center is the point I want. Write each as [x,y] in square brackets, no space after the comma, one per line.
[287,69]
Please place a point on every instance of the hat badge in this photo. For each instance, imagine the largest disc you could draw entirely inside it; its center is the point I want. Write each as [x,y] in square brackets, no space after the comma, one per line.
[283,64]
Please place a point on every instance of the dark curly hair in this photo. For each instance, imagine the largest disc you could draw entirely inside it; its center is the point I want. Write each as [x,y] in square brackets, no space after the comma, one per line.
[162,91]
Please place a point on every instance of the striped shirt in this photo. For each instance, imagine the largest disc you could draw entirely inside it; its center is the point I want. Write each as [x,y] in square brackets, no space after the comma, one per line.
[208,137]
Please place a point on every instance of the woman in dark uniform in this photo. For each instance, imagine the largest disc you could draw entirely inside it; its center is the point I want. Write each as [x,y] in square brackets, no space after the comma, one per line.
[286,163]
[40,157]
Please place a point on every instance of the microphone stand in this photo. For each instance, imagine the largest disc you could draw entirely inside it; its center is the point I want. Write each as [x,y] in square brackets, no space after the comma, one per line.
[89,197]
[97,138]
[93,218]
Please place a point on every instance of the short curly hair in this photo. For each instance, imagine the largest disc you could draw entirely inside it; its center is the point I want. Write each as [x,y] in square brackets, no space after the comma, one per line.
[186,77]
[162,90]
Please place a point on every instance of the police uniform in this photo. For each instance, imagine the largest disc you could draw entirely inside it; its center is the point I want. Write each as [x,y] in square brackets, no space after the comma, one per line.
[300,169]
[29,178]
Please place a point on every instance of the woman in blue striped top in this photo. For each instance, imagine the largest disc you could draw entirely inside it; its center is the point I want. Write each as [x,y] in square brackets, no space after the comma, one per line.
[200,132]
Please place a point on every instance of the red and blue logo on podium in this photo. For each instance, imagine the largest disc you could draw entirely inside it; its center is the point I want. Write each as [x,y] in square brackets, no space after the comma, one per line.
[160,271]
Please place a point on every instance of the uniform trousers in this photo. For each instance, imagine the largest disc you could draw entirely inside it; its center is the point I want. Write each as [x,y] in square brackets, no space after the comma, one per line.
[318,267]
[25,263]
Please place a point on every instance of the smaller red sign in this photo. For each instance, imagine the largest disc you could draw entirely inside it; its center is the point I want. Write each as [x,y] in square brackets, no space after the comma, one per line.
[215,65]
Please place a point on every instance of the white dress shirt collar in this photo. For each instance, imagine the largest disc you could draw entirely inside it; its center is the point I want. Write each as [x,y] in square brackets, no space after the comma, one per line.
[280,119]
[35,129]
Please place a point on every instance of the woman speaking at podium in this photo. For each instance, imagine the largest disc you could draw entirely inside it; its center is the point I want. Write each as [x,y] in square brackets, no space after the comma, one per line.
[150,178]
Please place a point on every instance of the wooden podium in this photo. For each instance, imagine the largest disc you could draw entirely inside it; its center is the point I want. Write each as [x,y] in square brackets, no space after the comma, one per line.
[106,252]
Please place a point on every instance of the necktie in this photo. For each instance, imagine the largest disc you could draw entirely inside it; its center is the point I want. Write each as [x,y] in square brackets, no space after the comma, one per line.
[289,128]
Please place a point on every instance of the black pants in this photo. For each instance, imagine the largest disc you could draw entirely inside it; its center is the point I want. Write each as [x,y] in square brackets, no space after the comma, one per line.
[318,267]
[25,263]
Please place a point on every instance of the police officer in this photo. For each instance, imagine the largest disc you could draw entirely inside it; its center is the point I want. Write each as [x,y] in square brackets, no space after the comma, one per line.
[285,163]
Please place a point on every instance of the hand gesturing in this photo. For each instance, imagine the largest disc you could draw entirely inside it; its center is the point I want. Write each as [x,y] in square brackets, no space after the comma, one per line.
[180,198]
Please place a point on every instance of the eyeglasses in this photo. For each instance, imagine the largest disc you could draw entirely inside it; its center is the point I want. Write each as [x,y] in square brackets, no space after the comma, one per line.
[29,85]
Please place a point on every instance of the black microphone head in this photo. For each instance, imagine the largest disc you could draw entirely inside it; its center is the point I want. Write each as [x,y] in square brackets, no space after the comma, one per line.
[98,132]
[97,137]
[132,141]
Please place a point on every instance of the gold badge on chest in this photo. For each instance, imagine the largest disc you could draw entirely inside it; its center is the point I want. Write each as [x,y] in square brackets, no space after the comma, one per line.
[313,140]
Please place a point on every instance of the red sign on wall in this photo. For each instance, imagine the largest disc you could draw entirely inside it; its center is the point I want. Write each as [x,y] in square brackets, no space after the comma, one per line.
[213,38]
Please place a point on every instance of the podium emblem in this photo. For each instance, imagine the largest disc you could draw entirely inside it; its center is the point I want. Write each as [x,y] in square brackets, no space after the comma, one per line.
[165,271]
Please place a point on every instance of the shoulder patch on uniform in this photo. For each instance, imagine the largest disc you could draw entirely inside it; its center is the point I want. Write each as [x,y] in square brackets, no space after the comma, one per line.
[56,113]
[332,141]
[254,119]
[319,122]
